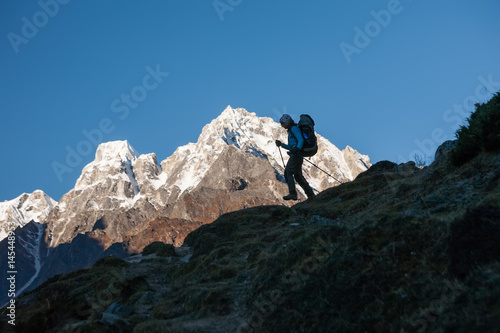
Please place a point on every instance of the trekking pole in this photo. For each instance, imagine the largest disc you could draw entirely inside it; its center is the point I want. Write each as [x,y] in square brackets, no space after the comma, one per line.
[282,160]
[323,171]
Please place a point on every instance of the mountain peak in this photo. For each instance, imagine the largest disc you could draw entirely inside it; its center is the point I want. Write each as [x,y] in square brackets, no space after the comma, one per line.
[23,209]
[112,159]
[110,151]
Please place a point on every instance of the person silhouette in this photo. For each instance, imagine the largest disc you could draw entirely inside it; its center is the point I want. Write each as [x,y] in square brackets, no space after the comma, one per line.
[293,169]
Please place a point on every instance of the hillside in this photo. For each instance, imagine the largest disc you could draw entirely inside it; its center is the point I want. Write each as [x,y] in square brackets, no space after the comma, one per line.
[399,249]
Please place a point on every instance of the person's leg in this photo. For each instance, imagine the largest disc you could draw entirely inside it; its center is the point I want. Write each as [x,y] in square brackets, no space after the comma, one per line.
[294,164]
[299,177]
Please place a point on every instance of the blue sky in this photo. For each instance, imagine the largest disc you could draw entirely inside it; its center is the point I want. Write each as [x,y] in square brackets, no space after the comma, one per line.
[389,78]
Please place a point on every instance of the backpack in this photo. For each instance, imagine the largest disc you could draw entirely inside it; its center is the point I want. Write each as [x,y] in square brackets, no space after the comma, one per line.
[306,126]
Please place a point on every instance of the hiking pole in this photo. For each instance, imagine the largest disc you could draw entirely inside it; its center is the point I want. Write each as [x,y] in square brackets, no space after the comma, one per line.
[323,171]
[282,160]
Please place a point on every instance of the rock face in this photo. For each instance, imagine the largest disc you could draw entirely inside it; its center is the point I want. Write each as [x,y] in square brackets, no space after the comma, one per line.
[235,179]
[24,209]
[356,162]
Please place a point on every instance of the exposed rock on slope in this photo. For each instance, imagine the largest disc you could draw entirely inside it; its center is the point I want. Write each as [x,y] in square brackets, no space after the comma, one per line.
[234,180]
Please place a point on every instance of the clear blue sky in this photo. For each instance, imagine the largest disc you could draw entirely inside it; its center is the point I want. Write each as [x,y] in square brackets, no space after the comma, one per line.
[383,85]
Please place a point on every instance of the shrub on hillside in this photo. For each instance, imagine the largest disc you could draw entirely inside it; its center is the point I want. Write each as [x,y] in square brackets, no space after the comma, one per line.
[481,134]
[160,249]
[110,261]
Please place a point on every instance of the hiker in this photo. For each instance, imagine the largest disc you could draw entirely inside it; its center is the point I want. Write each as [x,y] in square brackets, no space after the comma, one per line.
[293,168]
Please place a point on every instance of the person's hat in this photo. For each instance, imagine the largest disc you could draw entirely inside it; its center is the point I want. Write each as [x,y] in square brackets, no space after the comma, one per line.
[286,119]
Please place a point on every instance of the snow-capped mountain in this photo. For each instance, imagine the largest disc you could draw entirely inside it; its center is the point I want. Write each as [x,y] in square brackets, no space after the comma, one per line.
[120,175]
[118,180]
[245,131]
[24,209]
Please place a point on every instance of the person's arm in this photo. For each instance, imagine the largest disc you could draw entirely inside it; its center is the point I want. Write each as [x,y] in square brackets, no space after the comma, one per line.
[287,145]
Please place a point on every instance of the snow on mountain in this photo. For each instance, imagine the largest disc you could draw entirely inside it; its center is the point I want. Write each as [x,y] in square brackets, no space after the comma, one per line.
[111,158]
[355,160]
[24,209]
[108,152]
[120,173]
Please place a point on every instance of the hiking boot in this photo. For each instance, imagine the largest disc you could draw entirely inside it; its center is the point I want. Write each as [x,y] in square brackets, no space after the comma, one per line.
[290,197]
